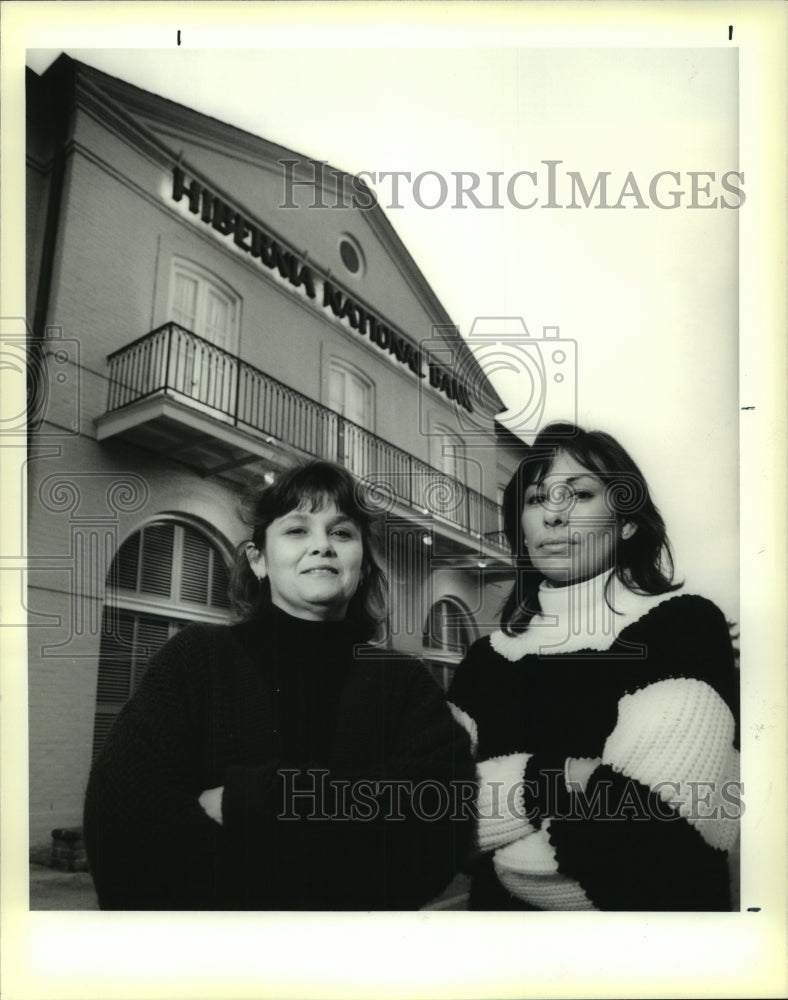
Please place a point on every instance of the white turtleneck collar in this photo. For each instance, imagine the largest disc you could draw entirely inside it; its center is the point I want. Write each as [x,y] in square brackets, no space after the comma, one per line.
[577,617]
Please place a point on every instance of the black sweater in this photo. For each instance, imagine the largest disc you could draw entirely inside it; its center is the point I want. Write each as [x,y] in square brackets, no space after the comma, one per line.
[653,706]
[317,744]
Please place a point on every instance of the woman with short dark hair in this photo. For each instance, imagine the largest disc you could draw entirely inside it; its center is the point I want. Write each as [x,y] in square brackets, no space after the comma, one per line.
[604,712]
[283,762]
[309,488]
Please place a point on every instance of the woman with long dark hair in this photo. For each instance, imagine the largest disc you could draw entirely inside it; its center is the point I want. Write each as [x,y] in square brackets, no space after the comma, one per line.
[283,762]
[604,711]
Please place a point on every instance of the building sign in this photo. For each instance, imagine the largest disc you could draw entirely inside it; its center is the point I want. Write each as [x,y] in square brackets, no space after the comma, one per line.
[249,238]
[215,212]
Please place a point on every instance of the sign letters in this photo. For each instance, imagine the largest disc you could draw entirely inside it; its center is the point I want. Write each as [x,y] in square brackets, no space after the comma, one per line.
[251,239]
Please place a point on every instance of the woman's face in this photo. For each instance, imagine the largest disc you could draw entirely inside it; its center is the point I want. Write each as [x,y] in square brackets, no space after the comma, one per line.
[312,560]
[570,531]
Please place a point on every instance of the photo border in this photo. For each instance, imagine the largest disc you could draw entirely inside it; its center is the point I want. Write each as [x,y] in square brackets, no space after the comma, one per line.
[436,954]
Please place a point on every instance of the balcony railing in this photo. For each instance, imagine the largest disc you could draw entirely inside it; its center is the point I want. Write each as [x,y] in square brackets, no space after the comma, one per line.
[176,362]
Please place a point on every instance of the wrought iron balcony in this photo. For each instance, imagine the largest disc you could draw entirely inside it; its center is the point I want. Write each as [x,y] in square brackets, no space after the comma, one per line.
[178,393]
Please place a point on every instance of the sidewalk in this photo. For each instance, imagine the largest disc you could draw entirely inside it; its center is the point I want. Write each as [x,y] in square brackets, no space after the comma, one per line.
[56,890]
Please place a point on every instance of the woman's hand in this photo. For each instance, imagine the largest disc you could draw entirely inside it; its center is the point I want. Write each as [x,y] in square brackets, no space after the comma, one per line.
[211,802]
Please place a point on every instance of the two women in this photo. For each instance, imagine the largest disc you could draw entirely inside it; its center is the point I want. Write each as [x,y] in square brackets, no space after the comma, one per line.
[603,712]
[282,763]
[271,764]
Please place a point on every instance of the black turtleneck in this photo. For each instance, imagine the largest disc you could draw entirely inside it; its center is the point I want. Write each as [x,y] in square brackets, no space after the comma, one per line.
[259,708]
[306,665]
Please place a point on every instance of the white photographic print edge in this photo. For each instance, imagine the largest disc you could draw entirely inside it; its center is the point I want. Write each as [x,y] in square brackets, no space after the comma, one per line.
[540,177]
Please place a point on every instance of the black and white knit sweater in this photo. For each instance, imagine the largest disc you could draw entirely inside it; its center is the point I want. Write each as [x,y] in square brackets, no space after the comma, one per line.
[310,741]
[607,748]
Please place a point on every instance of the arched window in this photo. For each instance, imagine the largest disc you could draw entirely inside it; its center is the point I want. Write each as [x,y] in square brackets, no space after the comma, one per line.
[448,635]
[205,369]
[164,576]
[201,302]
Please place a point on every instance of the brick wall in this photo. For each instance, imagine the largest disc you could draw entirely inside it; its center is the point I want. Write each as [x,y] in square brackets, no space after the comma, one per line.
[63,665]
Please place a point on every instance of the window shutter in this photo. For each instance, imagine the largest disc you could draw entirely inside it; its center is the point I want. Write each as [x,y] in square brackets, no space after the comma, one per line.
[220,583]
[194,570]
[172,568]
[115,658]
[125,565]
[128,643]
[152,633]
[157,544]
[101,727]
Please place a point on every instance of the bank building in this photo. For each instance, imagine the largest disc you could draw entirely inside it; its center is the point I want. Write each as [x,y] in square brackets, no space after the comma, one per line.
[205,309]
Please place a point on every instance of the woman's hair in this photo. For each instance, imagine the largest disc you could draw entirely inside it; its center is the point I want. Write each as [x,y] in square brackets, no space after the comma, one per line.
[643,561]
[311,486]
